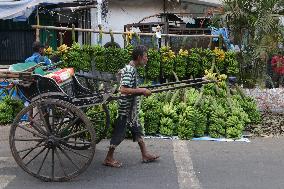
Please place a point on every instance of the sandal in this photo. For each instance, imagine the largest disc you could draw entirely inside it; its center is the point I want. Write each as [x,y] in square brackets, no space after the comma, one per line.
[154,158]
[115,164]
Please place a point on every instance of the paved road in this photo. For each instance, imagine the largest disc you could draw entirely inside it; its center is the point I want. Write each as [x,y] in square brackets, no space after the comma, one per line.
[183,164]
[255,165]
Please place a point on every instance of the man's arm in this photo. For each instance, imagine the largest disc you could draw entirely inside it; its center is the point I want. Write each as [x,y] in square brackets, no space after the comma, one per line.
[134,91]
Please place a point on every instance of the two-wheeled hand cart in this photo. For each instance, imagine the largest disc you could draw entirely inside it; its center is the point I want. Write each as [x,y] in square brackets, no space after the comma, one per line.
[57,142]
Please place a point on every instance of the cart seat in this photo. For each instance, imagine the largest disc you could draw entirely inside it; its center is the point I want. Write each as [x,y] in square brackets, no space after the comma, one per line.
[61,75]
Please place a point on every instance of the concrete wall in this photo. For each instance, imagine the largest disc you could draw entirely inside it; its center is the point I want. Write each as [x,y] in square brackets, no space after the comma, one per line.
[122,12]
[127,12]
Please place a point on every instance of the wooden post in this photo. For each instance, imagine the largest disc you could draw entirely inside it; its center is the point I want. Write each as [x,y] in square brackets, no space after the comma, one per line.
[220,41]
[89,37]
[210,43]
[100,41]
[37,22]
[73,34]
[60,38]
[111,36]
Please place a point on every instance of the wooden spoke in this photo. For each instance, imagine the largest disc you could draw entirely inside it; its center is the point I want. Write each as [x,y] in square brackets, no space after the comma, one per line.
[75,134]
[75,142]
[32,149]
[36,125]
[35,156]
[68,157]
[29,139]
[43,161]
[31,131]
[69,149]
[69,125]
[60,161]
[52,164]
[43,118]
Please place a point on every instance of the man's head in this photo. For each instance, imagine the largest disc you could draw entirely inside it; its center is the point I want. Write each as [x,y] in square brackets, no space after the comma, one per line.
[139,55]
[38,47]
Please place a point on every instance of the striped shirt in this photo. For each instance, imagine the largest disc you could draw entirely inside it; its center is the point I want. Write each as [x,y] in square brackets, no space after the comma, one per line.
[128,104]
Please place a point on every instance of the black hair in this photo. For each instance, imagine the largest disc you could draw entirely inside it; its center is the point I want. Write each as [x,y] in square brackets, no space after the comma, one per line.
[36,46]
[138,51]
[55,58]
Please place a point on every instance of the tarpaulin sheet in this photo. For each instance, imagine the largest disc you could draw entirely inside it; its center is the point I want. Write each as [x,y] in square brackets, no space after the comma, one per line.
[21,10]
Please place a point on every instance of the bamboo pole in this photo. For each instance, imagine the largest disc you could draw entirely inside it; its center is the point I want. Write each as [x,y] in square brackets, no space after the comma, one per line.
[37,22]
[116,32]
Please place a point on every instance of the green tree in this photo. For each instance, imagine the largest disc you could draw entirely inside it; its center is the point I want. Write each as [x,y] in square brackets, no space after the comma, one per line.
[255,26]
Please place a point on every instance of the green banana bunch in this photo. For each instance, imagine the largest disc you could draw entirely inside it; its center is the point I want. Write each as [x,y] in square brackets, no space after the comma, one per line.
[185,128]
[151,108]
[217,120]
[194,67]
[248,104]
[180,66]
[167,61]
[99,58]
[168,110]
[191,96]
[167,126]
[231,63]
[153,65]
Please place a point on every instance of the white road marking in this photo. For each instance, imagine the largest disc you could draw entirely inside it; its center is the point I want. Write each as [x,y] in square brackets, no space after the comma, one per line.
[186,175]
[5,180]
[7,162]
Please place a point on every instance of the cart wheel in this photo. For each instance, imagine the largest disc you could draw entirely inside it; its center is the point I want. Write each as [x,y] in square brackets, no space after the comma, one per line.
[45,146]
[100,118]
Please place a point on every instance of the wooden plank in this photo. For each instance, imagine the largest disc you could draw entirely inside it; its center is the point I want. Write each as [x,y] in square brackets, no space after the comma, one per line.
[4,67]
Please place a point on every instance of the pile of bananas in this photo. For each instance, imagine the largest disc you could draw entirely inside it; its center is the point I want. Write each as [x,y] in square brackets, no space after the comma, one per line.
[183,52]
[222,77]
[167,56]
[63,49]
[210,75]
[217,120]
[220,54]
[181,62]
[153,65]
[167,53]
[48,51]
[169,119]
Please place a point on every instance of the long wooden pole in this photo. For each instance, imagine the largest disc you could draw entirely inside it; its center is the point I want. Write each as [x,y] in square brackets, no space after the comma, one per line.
[37,22]
[116,32]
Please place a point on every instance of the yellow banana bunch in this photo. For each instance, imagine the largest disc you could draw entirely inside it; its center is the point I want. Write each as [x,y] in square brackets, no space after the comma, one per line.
[63,48]
[164,49]
[222,77]
[48,51]
[167,54]
[171,54]
[219,53]
[183,52]
[210,75]
[129,35]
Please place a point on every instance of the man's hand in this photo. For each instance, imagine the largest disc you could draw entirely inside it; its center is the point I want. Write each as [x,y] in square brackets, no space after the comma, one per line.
[145,92]
[135,91]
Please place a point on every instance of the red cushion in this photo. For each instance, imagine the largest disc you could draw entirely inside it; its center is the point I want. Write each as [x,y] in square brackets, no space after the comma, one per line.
[61,75]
